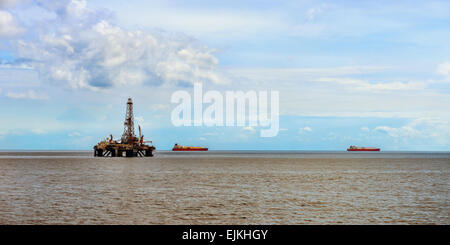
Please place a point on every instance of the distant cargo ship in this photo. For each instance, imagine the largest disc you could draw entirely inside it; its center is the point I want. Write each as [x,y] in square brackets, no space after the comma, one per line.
[354,148]
[178,147]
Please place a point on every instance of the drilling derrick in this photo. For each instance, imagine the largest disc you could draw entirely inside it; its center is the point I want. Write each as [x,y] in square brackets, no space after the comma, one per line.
[130,145]
[128,132]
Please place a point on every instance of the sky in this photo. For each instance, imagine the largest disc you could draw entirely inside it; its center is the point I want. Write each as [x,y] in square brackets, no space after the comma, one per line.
[366,73]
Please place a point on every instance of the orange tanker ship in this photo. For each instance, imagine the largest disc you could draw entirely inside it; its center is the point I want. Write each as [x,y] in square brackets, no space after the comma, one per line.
[178,147]
[354,148]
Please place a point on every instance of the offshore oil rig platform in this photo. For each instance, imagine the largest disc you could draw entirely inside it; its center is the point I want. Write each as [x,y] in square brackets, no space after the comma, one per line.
[130,145]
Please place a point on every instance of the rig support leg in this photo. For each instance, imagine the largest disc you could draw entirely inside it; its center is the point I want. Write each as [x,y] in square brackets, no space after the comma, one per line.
[148,153]
[99,153]
[129,153]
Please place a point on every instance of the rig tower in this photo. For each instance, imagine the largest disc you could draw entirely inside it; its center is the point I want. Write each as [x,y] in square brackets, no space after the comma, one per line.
[130,145]
[128,132]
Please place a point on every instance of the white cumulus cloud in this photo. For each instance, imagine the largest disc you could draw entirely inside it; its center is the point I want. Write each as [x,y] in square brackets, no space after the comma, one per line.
[443,69]
[8,25]
[83,49]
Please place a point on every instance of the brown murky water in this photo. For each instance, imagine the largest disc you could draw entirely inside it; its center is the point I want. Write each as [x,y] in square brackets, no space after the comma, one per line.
[208,189]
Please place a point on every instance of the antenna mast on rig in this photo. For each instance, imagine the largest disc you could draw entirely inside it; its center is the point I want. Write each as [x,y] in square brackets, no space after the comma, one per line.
[128,132]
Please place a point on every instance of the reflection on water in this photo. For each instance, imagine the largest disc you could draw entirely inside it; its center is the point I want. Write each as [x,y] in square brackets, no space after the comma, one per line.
[222,188]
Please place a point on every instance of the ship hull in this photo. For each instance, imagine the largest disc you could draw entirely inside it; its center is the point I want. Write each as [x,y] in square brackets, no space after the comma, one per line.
[200,149]
[368,149]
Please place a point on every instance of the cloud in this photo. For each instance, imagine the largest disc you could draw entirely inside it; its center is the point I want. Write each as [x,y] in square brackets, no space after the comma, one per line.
[206,21]
[365,129]
[9,3]
[348,91]
[82,49]
[436,129]
[443,69]
[433,127]
[312,13]
[304,129]
[159,107]
[210,134]
[404,131]
[38,131]
[8,25]
[357,84]
[30,94]
[283,74]
[74,134]
[248,129]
